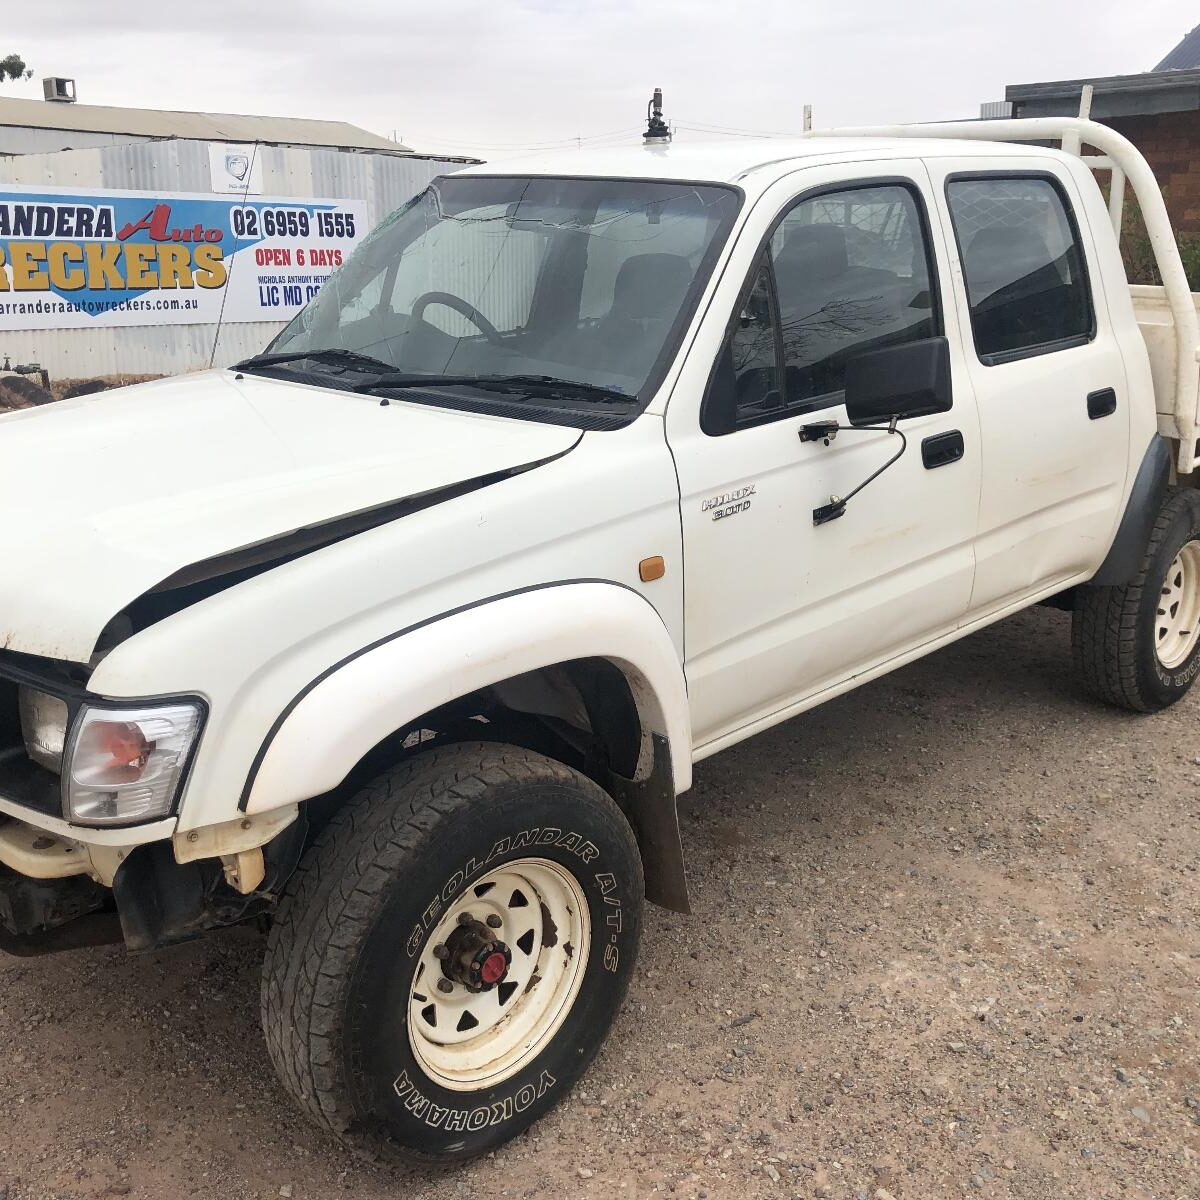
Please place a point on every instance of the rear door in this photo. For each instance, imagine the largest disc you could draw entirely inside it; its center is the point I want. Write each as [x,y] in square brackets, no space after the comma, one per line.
[1046,369]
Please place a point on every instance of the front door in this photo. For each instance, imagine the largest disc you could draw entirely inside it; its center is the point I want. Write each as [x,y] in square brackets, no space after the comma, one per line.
[779,609]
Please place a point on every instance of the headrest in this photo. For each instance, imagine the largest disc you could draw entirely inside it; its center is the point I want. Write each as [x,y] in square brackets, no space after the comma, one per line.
[814,252]
[1006,253]
[651,285]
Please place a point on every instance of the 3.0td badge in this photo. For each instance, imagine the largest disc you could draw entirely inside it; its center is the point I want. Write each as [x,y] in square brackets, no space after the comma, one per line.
[729,504]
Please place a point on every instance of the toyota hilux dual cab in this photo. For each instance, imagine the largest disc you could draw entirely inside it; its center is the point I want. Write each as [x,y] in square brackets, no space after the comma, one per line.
[405,634]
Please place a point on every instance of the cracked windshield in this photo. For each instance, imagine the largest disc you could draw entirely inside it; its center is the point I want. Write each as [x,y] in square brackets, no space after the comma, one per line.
[518,284]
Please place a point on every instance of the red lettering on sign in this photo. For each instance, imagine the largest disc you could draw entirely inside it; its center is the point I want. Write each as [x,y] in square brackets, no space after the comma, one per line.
[156,223]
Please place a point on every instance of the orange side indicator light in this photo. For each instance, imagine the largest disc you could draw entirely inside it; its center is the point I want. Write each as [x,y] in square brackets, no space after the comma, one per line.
[650,569]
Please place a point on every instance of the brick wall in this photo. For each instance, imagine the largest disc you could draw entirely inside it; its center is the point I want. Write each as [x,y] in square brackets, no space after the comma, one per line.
[1171,144]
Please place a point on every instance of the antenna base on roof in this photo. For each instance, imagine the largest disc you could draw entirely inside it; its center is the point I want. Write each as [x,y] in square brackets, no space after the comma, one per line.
[658,133]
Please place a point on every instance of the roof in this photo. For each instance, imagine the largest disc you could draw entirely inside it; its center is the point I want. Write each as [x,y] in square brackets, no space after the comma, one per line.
[1185,56]
[1112,95]
[751,161]
[165,123]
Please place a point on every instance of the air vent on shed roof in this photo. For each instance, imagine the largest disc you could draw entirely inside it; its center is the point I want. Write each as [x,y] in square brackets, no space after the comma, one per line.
[54,87]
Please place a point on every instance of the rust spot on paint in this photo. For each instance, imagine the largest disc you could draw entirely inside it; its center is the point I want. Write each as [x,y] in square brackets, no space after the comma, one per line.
[549,929]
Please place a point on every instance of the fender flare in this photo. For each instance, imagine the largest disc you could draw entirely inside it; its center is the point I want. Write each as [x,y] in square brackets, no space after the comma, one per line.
[1124,558]
[354,705]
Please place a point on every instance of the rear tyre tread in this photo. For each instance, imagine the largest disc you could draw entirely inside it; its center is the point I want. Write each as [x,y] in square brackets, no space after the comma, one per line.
[1108,637]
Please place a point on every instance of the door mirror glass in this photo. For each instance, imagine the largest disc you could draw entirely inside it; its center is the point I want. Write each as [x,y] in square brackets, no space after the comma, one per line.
[910,380]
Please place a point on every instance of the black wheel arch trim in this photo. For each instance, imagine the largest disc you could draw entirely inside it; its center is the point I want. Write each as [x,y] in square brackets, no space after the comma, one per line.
[292,704]
[1124,558]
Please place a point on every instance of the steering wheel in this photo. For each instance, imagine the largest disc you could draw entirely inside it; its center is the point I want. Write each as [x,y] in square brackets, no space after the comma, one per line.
[463,307]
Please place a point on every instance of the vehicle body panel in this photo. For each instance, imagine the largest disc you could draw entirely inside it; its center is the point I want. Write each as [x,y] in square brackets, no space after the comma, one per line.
[106,496]
[616,503]
[327,731]
[777,607]
[1053,479]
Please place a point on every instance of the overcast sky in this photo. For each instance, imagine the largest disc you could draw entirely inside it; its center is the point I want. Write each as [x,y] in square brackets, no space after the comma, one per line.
[489,76]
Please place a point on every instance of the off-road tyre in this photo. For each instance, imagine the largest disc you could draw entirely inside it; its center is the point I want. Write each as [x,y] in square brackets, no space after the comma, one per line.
[353,927]
[1113,630]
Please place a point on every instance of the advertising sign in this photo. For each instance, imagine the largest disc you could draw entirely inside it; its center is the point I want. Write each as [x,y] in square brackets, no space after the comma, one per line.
[73,259]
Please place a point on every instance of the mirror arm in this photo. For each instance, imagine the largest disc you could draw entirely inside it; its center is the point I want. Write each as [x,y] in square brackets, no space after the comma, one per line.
[827,431]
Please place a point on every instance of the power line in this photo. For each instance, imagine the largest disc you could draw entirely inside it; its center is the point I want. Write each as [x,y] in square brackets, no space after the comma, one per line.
[735,131]
[550,145]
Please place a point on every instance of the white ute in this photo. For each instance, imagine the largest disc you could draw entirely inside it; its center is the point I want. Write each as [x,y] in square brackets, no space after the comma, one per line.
[405,634]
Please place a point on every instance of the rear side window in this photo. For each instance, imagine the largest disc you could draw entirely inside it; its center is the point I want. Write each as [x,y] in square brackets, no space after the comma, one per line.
[1026,280]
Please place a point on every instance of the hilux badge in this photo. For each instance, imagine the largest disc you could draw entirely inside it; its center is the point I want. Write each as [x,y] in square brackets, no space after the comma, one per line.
[729,504]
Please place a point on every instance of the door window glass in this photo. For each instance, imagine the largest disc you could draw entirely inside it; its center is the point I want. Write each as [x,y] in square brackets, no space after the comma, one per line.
[852,274]
[844,273]
[753,348]
[1026,281]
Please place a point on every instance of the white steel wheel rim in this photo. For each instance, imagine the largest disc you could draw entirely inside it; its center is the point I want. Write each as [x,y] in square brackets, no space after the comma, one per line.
[467,1040]
[1177,620]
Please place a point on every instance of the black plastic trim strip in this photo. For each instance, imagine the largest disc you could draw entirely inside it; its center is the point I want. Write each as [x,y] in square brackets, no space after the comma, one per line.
[292,704]
[1124,558]
[287,547]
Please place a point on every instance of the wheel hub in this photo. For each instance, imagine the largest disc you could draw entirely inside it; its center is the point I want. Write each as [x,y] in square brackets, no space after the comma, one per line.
[499,974]
[473,956]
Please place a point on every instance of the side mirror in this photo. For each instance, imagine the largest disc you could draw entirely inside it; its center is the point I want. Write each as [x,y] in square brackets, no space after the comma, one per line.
[900,382]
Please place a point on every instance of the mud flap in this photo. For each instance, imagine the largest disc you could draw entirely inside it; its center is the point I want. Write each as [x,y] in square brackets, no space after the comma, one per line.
[653,810]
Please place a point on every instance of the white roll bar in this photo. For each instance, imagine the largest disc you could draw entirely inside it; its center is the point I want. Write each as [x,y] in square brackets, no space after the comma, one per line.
[1126,162]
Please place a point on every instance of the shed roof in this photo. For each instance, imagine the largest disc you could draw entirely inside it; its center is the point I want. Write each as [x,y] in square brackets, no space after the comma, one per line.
[1114,95]
[165,123]
[1185,55]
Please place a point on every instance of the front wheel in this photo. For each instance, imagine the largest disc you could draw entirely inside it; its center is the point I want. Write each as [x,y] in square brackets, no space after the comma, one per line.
[1138,646]
[451,952]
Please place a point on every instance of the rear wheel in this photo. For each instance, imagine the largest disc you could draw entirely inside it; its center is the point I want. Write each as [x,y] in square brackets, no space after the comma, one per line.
[452,951]
[1138,646]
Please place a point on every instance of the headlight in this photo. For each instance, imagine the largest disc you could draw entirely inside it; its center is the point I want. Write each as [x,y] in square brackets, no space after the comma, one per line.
[43,727]
[125,764]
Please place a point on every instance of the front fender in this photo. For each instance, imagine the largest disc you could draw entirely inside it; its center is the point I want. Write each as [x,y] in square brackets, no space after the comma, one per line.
[354,705]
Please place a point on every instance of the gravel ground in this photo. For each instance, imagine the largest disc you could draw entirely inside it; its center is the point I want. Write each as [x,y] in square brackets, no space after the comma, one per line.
[946,944]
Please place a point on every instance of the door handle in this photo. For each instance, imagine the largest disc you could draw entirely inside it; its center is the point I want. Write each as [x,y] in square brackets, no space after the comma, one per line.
[942,449]
[1101,404]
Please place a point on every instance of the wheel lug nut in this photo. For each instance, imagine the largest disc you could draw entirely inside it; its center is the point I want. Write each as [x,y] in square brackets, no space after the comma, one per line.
[444,985]
[494,921]
[465,918]
[440,951]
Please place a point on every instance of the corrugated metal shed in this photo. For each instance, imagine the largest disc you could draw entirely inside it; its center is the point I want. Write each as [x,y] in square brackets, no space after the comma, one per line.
[383,181]
[63,126]
[1114,95]
[1185,55]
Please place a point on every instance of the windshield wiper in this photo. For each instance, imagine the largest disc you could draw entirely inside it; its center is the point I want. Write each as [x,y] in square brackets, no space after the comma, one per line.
[545,386]
[334,355]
